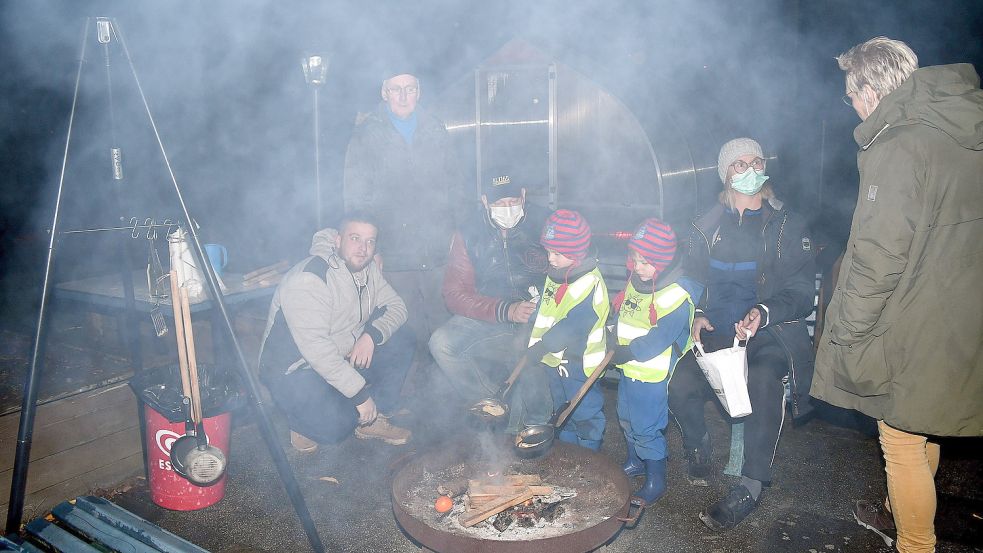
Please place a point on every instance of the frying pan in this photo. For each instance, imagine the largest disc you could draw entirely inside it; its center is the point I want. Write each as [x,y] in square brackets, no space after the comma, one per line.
[537,439]
[191,455]
[495,407]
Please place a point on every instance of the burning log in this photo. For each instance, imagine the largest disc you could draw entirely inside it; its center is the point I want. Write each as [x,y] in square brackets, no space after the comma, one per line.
[504,520]
[496,507]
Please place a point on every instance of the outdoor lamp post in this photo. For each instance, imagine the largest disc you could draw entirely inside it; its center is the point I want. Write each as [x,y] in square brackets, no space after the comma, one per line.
[315,70]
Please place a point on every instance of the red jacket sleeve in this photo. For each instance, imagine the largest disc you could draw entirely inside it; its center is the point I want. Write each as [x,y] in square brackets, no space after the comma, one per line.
[460,294]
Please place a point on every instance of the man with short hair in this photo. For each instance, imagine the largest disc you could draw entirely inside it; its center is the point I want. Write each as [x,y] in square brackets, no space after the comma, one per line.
[333,355]
[400,166]
[495,259]
[902,334]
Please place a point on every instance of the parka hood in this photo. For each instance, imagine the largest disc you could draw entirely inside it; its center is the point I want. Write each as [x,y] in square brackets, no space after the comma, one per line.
[323,243]
[945,97]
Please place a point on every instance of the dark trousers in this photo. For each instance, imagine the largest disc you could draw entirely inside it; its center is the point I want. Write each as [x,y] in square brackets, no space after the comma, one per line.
[767,365]
[319,411]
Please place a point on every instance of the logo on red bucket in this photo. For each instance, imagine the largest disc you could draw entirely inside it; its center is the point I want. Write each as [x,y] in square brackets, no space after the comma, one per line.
[164,439]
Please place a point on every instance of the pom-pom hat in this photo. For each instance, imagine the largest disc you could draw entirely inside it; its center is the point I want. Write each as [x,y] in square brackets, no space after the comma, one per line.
[568,233]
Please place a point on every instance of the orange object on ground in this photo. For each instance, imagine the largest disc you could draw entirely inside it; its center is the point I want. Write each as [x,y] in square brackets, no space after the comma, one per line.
[443,504]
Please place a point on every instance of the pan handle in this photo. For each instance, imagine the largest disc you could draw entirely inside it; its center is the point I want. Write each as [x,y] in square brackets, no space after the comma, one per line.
[632,519]
[512,378]
[575,401]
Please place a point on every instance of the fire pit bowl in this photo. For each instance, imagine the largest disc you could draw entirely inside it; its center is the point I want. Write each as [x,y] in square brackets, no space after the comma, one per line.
[590,519]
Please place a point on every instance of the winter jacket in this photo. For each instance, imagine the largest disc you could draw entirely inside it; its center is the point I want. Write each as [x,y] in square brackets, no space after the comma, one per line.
[903,338]
[318,311]
[487,272]
[568,332]
[411,189]
[786,286]
[651,351]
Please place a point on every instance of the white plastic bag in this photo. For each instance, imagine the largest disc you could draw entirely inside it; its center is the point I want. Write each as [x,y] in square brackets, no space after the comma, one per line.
[726,371]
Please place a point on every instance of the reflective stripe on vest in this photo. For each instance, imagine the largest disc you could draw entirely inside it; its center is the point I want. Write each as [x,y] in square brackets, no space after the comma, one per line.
[590,284]
[633,322]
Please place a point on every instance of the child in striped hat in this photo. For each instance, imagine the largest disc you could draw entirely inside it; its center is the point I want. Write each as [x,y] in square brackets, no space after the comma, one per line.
[655,313]
[567,338]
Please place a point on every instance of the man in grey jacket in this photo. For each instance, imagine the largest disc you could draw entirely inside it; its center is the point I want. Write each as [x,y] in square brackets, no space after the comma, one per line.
[333,357]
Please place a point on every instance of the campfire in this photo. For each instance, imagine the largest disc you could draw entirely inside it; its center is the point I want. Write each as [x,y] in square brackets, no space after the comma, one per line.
[460,500]
[521,499]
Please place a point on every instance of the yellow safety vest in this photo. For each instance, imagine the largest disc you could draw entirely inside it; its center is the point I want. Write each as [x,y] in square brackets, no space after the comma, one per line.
[633,322]
[591,285]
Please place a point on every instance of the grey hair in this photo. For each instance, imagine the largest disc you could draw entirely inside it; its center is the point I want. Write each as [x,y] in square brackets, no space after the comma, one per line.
[881,62]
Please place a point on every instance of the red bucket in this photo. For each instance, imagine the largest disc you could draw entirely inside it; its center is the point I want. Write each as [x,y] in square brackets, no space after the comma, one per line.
[167,488]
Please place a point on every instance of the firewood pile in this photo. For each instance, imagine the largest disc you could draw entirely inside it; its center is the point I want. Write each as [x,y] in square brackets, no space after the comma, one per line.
[520,499]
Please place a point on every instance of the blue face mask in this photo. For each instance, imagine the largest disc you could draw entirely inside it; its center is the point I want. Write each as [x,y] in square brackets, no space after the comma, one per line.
[749,182]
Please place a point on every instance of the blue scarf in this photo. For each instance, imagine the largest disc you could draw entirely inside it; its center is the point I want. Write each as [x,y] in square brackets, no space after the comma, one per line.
[405,127]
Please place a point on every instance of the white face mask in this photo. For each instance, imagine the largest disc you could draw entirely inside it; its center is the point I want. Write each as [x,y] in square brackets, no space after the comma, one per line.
[506,216]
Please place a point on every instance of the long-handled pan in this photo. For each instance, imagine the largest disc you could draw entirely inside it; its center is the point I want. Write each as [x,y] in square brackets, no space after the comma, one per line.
[537,439]
[495,407]
[191,455]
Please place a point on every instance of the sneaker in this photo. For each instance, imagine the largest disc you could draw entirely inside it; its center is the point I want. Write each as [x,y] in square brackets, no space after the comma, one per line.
[874,517]
[698,463]
[302,443]
[381,429]
[729,511]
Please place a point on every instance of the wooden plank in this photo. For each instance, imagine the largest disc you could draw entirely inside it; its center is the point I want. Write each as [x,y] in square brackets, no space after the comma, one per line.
[69,408]
[70,433]
[496,507]
[522,479]
[496,491]
[109,476]
[74,462]
[58,539]
[98,531]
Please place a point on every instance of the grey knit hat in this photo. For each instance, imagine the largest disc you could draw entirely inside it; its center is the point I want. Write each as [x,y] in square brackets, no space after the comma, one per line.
[733,150]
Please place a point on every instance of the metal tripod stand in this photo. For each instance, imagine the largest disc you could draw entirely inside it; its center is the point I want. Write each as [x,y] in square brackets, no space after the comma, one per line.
[108,29]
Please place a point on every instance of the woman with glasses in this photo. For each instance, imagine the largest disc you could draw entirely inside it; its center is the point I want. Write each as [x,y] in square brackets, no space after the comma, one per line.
[755,259]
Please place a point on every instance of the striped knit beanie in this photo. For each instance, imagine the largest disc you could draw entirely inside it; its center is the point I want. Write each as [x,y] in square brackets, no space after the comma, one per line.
[655,242]
[568,233]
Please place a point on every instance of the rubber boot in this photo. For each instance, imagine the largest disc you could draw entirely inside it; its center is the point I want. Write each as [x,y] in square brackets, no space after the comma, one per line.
[655,481]
[633,464]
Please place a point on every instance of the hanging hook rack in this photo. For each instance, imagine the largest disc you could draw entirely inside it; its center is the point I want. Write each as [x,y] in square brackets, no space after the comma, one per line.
[135,227]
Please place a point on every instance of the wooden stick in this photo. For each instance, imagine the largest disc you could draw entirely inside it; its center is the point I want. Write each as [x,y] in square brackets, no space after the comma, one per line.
[497,507]
[497,491]
[278,266]
[182,354]
[583,389]
[192,363]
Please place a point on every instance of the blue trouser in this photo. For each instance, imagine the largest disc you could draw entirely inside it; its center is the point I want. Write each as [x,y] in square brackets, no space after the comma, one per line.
[585,426]
[476,356]
[643,412]
[319,411]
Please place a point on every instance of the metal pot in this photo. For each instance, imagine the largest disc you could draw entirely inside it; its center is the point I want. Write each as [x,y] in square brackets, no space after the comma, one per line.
[495,407]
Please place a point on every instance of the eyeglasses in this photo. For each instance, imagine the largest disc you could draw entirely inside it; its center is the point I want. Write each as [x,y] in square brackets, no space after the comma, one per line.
[410,90]
[740,165]
[847,99]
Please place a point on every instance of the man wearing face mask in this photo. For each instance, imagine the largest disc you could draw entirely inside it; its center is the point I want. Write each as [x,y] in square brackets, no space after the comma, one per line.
[495,259]
[902,341]
[755,260]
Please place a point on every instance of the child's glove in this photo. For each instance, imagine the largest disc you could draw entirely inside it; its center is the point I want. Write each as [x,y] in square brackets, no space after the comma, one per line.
[536,352]
[622,355]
